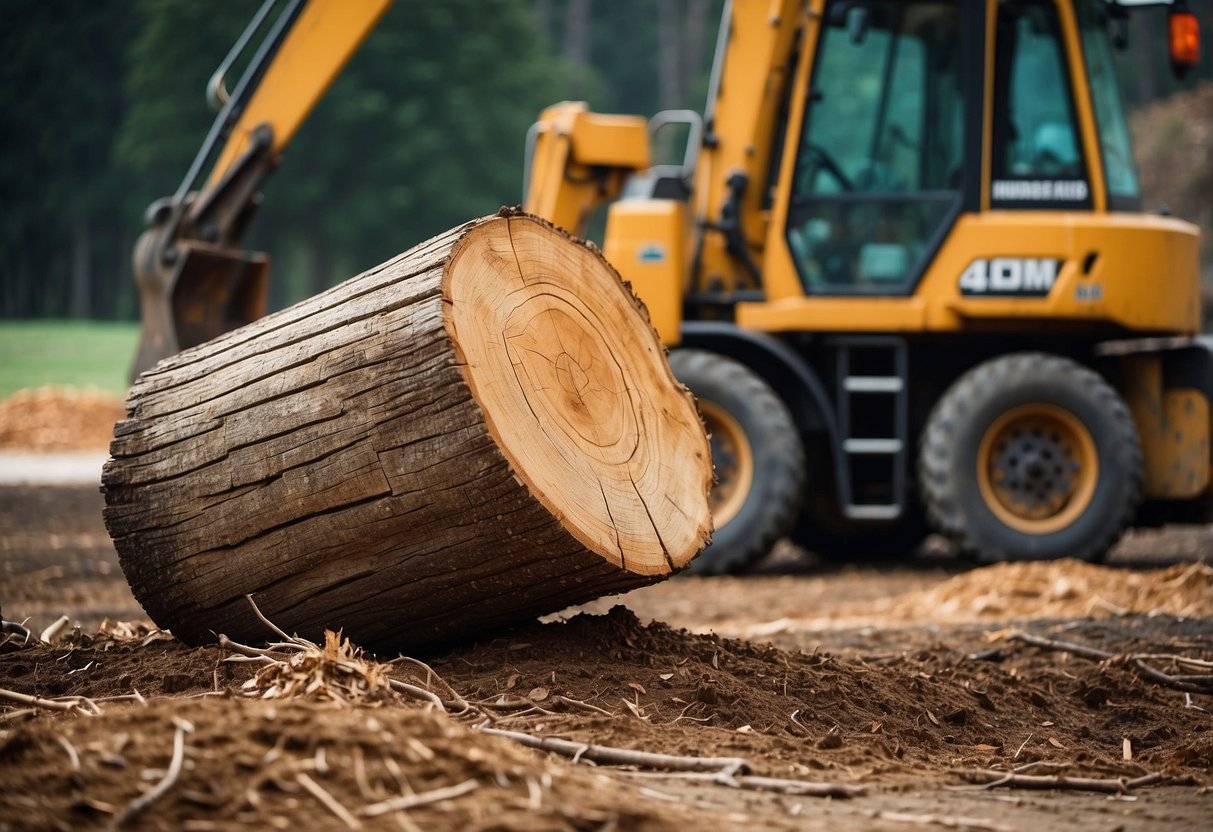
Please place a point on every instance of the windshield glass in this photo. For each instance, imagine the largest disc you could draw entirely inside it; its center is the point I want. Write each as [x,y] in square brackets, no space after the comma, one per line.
[1115,148]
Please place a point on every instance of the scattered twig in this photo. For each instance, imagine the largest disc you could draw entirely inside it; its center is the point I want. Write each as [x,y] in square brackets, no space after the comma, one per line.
[245,650]
[1037,764]
[612,756]
[170,777]
[411,801]
[1082,650]
[584,706]
[67,704]
[134,696]
[331,803]
[946,821]
[20,713]
[49,634]
[1173,657]
[417,692]
[431,675]
[1119,785]
[71,751]
[274,627]
[1190,682]
[802,788]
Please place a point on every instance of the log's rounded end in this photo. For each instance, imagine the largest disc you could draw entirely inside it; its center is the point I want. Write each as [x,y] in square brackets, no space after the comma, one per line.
[576,392]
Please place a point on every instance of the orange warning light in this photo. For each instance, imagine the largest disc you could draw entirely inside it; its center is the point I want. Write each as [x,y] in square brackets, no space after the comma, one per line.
[1185,39]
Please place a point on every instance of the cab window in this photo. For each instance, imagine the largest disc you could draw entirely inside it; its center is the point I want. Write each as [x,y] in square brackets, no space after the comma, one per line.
[1114,145]
[879,162]
[1037,159]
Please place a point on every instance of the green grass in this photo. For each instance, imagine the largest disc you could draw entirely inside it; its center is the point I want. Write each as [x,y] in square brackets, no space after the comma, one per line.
[84,354]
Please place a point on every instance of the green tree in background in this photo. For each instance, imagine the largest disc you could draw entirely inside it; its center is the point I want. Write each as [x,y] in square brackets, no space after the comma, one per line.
[63,206]
[635,56]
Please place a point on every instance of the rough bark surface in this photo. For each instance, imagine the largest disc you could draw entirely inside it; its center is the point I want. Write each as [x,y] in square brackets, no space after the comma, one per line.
[476,432]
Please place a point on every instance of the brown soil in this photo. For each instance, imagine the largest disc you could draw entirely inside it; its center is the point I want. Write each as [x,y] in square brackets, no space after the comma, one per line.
[901,679]
[54,419]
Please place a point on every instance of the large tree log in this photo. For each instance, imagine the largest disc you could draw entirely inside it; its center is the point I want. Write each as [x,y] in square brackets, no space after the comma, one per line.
[481,430]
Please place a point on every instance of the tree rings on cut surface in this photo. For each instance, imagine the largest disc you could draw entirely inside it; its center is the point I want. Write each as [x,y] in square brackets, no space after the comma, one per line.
[481,430]
[577,393]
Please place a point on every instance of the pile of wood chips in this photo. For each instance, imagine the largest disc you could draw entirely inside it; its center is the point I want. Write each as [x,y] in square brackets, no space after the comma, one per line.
[336,672]
[1062,589]
[58,419]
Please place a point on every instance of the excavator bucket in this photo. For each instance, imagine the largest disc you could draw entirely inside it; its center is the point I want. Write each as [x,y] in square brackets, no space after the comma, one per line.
[208,291]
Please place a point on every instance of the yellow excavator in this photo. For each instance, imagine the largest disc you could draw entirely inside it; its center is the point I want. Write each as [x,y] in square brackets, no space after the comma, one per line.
[903,266]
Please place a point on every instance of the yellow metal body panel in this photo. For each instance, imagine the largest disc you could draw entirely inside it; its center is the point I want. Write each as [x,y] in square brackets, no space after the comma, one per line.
[1174,428]
[580,160]
[645,241]
[741,125]
[319,44]
[987,113]
[1132,258]
[619,141]
[1088,131]
[780,279]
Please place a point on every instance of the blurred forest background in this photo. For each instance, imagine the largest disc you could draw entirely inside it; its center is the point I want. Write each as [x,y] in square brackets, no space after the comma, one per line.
[103,109]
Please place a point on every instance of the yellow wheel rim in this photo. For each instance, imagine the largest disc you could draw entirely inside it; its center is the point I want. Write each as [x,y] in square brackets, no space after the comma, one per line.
[734,461]
[1037,468]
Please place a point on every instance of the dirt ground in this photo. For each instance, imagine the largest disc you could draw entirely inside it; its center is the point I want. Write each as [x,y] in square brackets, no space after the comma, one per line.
[912,680]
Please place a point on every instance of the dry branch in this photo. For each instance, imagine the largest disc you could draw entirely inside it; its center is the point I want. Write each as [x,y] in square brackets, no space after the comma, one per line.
[170,777]
[946,821]
[996,779]
[801,788]
[1192,683]
[68,704]
[331,803]
[411,801]
[612,756]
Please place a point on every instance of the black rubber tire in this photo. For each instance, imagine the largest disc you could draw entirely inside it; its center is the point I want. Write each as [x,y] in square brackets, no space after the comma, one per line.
[770,505]
[948,458]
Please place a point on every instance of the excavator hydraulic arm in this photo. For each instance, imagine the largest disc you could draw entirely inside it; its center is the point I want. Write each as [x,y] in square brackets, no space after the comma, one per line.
[194,278]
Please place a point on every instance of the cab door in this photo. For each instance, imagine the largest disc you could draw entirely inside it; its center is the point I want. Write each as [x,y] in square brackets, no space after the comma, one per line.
[882,163]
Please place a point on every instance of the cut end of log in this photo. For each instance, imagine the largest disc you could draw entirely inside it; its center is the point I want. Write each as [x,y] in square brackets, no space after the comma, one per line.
[577,394]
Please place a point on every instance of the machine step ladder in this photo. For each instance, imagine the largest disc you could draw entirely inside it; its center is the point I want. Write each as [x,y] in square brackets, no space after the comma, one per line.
[873,420]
